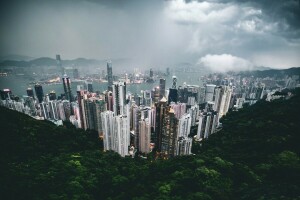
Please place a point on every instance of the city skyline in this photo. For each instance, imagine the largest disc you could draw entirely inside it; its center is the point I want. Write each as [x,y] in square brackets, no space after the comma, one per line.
[219,34]
[150,99]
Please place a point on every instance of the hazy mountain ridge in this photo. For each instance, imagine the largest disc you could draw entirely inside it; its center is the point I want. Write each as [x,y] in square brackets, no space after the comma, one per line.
[15,57]
[117,62]
[272,72]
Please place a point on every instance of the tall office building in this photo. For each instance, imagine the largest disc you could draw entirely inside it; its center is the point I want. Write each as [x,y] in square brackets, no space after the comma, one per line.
[109,100]
[168,71]
[119,98]
[80,100]
[107,127]
[29,102]
[193,111]
[89,86]
[179,109]
[67,88]
[145,135]
[162,87]
[29,92]
[61,111]
[109,76]
[134,123]
[44,110]
[173,95]
[76,73]
[53,110]
[174,82]
[52,95]
[116,135]
[93,107]
[5,94]
[151,73]
[207,124]
[201,95]
[121,135]
[169,134]
[101,106]
[219,92]
[160,113]
[147,98]
[59,64]
[67,108]
[184,126]
[39,92]
[156,94]
[222,100]
[184,146]
[209,92]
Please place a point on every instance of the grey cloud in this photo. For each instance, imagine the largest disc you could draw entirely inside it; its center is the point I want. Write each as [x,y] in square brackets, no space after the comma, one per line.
[153,33]
[285,13]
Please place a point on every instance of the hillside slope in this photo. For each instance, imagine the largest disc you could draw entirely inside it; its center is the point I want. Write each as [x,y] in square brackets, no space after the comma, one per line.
[255,156]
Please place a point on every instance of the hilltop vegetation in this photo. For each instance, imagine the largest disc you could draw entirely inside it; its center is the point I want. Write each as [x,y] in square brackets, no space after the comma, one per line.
[254,156]
[279,73]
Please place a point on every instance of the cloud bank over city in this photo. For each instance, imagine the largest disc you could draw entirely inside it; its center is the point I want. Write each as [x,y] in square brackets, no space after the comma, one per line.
[220,34]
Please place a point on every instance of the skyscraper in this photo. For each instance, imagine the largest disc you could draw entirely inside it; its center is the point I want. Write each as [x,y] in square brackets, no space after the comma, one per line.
[222,99]
[173,95]
[147,98]
[80,100]
[169,134]
[162,87]
[119,97]
[76,73]
[52,95]
[121,135]
[53,110]
[109,76]
[107,127]
[207,124]
[116,135]
[30,92]
[93,107]
[168,71]
[44,110]
[184,126]
[59,64]
[151,73]
[174,82]
[209,92]
[67,88]
[145,135]
[5,94]
[39,92]
[184,146]
[179,109]
[89,86]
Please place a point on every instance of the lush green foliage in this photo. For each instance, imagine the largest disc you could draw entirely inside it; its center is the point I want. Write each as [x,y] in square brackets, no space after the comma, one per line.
[255,156]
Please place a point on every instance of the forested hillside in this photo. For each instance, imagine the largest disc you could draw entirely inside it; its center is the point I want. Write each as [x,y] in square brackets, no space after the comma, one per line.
[254,156]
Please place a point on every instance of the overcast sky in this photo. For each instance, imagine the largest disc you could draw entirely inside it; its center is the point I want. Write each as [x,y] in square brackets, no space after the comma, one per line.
[221,34]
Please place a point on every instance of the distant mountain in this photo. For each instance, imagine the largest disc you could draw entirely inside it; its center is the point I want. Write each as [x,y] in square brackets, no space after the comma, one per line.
[46,61]
[273,72]
[261,68]
[16,58]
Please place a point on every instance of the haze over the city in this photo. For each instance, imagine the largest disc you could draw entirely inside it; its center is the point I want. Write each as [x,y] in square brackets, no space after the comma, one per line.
[219,34]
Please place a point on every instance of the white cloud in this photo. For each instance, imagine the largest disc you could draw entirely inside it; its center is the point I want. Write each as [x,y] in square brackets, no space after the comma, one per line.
[224,62]
[201,12]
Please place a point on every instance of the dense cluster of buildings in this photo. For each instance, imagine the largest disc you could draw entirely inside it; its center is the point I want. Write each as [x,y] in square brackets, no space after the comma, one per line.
[161,118]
